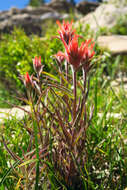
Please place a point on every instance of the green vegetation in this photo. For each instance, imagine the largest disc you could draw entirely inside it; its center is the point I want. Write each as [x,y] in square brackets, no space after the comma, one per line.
[16,53]
[121,26]
[17,139]
[36,3]
[7,96]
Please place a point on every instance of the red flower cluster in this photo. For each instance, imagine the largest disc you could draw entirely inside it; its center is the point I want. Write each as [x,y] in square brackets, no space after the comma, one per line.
[27,80]
[74,54]
[89,52]
[37,65]
[59,57]
[65,31]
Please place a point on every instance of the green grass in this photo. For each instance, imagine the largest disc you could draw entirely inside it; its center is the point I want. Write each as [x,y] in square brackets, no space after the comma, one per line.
[17,140]
[5,97]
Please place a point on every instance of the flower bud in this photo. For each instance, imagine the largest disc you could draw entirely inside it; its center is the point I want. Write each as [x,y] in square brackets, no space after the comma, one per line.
[37,65]
[59,57]
[28,80]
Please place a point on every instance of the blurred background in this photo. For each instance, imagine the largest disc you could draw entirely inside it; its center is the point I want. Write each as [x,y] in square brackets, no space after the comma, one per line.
[5,5]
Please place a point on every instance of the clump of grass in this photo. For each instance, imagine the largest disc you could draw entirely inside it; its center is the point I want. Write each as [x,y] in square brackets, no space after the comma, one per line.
[6,96]
[16,139]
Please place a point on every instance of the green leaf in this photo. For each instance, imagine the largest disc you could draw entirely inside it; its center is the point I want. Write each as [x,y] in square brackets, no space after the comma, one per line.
[8,172]
[28,162]
[50,75]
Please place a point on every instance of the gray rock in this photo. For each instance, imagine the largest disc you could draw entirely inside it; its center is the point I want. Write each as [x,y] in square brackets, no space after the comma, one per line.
[61,5]
[86,7]
[106,15]
[14,11]
[119,84]
[37,11]
[53,15]
[116,44]
[28,22]
[11,112]
[50,15]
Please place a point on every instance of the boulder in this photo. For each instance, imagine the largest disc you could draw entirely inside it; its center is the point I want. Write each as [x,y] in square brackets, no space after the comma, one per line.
[61,5]
[119,85]
[37,11]
[86,7]
[106,15]
[116,44]
[29,23]
[13,112]
[53,16]
[30,19]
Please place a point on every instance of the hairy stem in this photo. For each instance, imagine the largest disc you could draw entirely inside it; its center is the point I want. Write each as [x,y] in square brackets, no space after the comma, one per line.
[74,93]
[84,84]
[84,79]
[37,154]
[66,69]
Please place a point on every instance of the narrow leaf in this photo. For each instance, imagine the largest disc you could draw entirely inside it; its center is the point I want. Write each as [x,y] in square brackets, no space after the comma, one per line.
[27,162]
[50,75]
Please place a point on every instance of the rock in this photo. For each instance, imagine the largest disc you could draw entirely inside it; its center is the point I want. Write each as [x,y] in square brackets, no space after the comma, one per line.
[14,11]
[119,85]
[53,15]
[86,7]
[4,17]
[13,112]
[37,11]
[106,15]
[28,22]
[50,15]
[116,44]
[30,19]
[61,5]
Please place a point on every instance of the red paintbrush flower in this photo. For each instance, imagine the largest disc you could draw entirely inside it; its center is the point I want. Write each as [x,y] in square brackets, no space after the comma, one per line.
[74,54]
[28,80]
[66,32]
[59,57]
[37,65]
[89,52]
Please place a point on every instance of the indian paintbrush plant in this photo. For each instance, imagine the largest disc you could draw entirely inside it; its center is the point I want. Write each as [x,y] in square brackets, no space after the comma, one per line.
[59,116]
